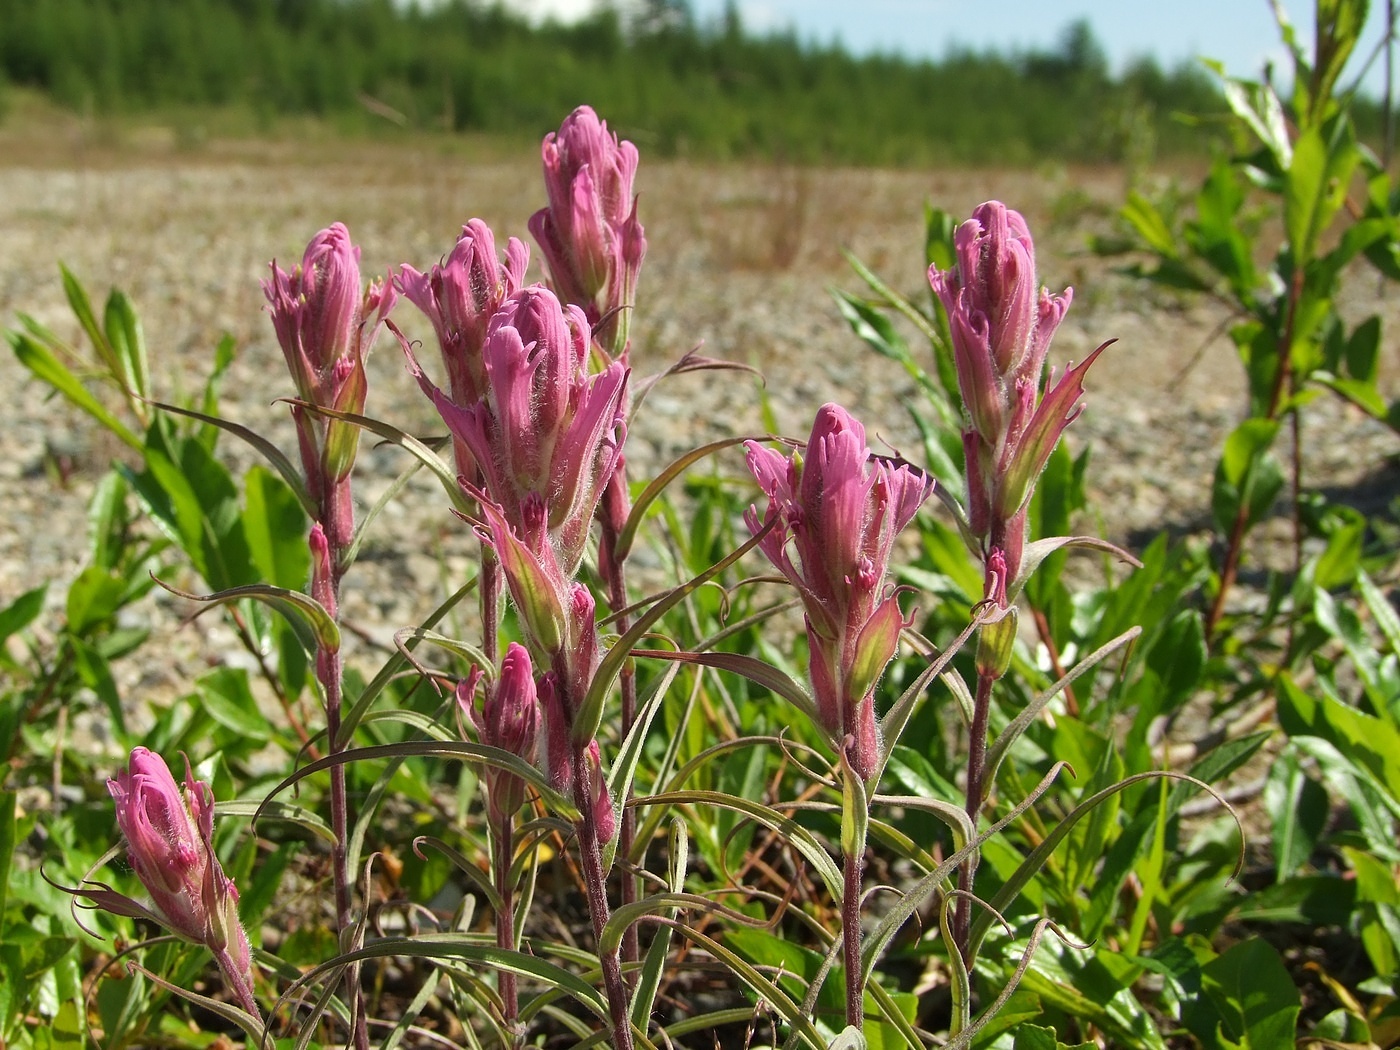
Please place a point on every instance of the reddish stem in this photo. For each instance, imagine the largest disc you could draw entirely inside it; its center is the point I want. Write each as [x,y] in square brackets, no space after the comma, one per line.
[976,770]
[595,884]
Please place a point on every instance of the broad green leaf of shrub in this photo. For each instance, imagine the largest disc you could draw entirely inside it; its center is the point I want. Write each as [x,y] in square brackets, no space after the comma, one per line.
[1378,893]
[1364,739]
[23,611]
[1324,158]
[1095,986]
[1248,477]
[1022,1006]
[1033,1037]
[1249,1000]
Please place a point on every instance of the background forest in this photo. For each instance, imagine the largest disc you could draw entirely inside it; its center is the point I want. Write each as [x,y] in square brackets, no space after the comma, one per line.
[674,85]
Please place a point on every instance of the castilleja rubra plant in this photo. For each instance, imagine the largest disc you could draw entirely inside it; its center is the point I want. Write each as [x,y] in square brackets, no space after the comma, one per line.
[1001,323]
[534,394]
[838,511]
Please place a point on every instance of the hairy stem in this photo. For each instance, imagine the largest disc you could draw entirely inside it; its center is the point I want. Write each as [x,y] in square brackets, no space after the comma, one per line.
[976,790]
[627,681]
[850,940]
[240,982]
[328,670]
[595,884]
[504,832]
[338,528]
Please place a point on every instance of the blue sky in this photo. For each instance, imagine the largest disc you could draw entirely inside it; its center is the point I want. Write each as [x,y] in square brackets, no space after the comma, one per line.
[1240,33]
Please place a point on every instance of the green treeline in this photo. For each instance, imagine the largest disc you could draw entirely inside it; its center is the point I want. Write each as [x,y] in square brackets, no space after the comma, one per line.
[675,86]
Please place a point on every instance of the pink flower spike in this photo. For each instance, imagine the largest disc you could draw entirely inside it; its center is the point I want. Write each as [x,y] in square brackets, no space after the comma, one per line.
[169,836]
[326,323]
[839,510]
[589,233]
[460,296]
[1000,321]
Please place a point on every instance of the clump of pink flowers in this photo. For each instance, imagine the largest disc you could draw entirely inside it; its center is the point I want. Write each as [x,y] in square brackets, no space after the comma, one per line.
[170,842]
[1001,322]
[837,510]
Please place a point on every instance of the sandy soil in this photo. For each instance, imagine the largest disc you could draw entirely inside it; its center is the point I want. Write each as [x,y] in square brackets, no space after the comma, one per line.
[740,259]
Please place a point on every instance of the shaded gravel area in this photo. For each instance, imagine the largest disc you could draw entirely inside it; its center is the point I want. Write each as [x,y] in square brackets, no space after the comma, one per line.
[741,260]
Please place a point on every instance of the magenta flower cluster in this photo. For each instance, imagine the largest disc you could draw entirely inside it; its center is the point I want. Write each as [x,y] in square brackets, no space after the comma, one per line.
[170,843]
[836,511]
[1002,322]
[589,231]
[326,322]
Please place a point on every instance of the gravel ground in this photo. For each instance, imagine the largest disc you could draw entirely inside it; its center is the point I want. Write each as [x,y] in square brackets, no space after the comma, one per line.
[740,259]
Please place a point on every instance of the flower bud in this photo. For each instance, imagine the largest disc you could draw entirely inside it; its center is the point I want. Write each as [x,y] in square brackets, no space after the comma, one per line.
[1001,323]
[326,322]
[169,836]
[589,232]
[509,720]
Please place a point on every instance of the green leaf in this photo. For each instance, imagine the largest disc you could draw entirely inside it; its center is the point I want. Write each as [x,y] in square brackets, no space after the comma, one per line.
[1259,108]
[1147,220]
[81,306]
[1254,999]
[301,610]
[1365,740]
[23,611]
[875,330]
[1178,656]
[46,367]
[649,980]
[128,345]
[1299,807]
[276,528]
[1248,478]
[1324,158]
[288,471]
[1364,395]
[1381,610]
[225,694]
[93,598]
[1033,1037]
[1363,350]
[95,673]
[8,801]
[1095,986]
[590,711]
